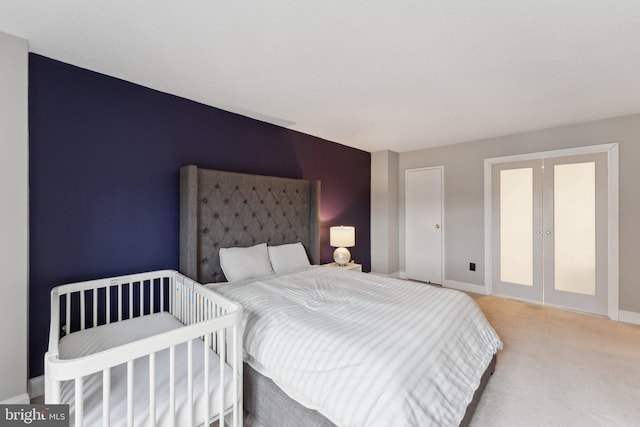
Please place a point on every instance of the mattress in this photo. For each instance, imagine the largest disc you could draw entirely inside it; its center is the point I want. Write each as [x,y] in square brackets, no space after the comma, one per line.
[364,350]
[90,341]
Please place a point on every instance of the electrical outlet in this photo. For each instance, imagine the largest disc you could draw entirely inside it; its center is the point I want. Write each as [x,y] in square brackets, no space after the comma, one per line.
[472,266]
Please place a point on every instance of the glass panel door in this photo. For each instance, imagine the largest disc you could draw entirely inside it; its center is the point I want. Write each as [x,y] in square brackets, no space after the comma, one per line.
[517,208]
[516,220]
[575,232]
[550,231]
[574,217]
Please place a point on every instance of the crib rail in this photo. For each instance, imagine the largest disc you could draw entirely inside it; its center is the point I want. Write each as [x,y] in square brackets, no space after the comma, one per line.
[207,316]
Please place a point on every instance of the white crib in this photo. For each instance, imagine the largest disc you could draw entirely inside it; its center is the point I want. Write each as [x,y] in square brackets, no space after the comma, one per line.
[146,349]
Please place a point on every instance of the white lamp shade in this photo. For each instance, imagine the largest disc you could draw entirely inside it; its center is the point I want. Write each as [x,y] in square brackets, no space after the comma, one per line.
[342,236]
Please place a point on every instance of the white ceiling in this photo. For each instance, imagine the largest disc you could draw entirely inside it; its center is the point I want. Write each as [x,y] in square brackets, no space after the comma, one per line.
[377,74]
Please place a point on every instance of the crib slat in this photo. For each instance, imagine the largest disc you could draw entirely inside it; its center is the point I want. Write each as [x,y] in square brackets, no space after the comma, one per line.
[119,299]
[152,297]
[130,393]
[237,363]
[198,308]
[95,307]
[172,384]
[191,305]
[162,294]
[130,300]
[185,307]
[106,397]
[108,302]
[206,380]
[177,302]
[141,296]
[82,312]
[174,303]
[190,380]
[221,346]
[152,390]
[188,305]
[195,307]
[67,299]
[209,316]
[79,400]
[54,394]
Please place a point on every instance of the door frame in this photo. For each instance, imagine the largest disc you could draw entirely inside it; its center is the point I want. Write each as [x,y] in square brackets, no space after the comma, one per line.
[443,227]
[613,273]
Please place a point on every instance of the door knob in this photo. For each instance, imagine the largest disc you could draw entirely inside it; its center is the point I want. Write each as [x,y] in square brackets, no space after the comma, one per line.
[437,225]
[537,231]
[548,232]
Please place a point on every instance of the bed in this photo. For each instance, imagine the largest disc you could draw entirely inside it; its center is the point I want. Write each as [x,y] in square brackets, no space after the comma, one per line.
[153,348]
[220,210]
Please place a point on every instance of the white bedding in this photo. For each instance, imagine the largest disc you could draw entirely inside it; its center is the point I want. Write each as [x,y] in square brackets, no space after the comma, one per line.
[366,350]
[93,340]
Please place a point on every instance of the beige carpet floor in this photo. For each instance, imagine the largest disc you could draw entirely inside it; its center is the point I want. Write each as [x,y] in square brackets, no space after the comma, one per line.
[560,368]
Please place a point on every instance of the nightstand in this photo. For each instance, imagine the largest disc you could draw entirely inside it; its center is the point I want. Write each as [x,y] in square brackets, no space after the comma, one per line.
[351,266]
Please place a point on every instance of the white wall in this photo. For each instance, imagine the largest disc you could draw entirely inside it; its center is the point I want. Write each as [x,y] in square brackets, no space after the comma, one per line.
[13,218]
[464,193]
[384,213]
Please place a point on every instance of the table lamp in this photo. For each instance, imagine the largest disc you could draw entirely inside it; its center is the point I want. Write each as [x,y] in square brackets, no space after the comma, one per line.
[342,237]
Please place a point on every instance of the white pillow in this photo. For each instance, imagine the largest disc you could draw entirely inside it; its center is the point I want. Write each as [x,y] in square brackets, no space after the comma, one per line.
[288,258]
[245,263]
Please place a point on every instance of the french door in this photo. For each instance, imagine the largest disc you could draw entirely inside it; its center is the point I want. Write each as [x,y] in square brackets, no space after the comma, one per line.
[550,231]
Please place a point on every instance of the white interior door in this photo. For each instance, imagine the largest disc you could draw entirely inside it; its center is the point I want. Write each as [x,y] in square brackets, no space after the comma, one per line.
[423,224]
[550,231]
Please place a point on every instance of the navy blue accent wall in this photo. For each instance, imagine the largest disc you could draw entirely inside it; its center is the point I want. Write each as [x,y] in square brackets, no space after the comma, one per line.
[104,156]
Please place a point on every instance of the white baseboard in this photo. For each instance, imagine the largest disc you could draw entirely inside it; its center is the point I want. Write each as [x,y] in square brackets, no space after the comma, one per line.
[465,287]
[36,386]
[452,284]
[395,275]
[629,317]
[22,399]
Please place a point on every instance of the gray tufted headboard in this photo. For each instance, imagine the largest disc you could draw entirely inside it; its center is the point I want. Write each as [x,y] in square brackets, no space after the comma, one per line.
[225,209]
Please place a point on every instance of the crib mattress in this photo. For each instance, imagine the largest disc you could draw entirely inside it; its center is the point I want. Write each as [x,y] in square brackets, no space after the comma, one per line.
[90,341]
[104,337]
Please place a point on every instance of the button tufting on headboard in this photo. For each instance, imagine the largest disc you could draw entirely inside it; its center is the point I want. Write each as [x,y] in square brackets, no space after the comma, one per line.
[234,209]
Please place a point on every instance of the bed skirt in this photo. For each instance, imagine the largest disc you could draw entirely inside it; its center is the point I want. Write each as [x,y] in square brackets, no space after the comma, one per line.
[262,395]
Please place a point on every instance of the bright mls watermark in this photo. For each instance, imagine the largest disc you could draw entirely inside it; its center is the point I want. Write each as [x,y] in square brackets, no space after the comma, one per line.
[34,415]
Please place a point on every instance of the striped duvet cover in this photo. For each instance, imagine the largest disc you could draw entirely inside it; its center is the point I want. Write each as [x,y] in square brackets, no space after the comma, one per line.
[366,350]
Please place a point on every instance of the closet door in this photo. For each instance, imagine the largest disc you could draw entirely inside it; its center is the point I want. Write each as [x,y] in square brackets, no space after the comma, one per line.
[575,232]
[423,224]
[550,231]
[517,229]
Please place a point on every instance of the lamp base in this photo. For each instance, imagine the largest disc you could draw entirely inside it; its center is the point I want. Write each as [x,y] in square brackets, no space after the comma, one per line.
[342,256]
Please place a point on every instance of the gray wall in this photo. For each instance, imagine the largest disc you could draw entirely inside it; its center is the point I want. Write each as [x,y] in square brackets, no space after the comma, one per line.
[384,213]
[13,218]
[464,193]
